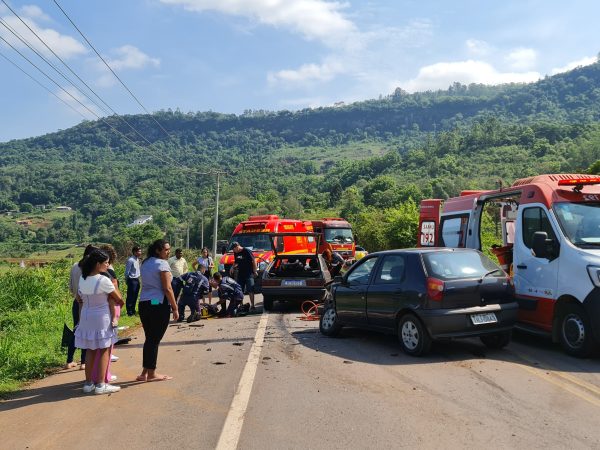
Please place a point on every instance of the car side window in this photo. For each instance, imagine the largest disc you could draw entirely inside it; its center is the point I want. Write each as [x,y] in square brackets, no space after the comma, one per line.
[391,270]
[535,219]
[361,273]
[454,231]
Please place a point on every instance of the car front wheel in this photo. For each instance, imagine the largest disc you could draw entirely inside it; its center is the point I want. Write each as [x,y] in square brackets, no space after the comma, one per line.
[576,331]
[413,336]
[329,324]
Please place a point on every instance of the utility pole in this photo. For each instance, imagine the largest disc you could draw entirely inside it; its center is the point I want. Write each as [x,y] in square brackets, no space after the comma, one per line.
[215,237]
[187,243]
[202,231]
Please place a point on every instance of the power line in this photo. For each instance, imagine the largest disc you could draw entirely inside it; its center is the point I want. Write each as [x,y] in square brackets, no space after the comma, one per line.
[15,33]
[112,71]
[43,86]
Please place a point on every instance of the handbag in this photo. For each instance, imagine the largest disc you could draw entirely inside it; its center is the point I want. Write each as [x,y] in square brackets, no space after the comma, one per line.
[68,337]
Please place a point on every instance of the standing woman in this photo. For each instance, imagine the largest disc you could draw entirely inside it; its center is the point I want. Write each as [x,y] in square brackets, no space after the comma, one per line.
[206,260]
[156,303]
[95,332]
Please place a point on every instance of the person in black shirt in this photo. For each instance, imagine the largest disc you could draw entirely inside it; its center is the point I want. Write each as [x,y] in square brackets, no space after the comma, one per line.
[246,270]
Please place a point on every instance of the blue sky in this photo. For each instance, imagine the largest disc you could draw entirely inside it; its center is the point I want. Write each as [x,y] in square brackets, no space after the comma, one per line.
[233,55]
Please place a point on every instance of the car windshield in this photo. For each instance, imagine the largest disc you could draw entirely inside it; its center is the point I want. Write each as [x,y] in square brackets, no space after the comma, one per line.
[253,241]
[580,222]
[464,264]
[339,235]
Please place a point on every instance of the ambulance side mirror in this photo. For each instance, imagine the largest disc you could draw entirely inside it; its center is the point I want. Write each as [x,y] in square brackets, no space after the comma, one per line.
[542,246]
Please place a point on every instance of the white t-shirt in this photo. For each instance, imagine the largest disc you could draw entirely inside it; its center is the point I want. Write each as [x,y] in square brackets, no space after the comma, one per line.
[86,287]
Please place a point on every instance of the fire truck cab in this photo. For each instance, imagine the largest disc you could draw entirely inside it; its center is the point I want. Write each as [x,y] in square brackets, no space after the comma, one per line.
[336,232]
[550,231]
[254,234]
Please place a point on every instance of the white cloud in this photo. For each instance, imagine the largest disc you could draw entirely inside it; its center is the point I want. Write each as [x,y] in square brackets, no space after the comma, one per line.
[573,64]
[314,19]
[34,12]
[443,74]
[75,94]
[477,47]
[522,58]
[131,57]
[307,73]
[64,46]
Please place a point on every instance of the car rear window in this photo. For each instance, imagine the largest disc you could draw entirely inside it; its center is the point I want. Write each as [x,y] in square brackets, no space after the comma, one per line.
[456,265]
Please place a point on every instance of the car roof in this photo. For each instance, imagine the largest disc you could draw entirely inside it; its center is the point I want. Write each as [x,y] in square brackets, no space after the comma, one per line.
[423,250]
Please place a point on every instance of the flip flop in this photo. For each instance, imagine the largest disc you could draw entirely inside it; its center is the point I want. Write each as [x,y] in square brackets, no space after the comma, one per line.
[163,378]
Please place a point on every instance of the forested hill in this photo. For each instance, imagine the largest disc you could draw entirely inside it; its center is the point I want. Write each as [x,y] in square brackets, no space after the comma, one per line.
[372,154]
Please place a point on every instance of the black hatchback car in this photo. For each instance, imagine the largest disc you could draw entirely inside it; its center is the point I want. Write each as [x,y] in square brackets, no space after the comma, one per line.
[424,294]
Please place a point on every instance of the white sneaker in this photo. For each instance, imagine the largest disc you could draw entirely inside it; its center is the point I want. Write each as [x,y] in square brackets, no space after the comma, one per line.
[106,388]
[114,358]
[88,388]
[113,378]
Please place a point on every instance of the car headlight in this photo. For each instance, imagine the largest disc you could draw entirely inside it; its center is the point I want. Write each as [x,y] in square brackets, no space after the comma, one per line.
[594,273]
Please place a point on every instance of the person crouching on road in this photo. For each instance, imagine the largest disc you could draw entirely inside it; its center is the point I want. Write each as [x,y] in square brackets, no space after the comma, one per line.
[195,287]
[228,289]
[246,270]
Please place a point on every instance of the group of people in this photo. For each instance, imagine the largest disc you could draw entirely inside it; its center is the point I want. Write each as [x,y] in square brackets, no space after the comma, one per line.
[165,288]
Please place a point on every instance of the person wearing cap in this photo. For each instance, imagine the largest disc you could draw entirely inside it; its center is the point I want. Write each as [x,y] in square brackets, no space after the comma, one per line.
[246,270]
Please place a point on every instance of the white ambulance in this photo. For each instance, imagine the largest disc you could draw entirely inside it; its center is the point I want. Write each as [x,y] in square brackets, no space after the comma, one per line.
[550,227]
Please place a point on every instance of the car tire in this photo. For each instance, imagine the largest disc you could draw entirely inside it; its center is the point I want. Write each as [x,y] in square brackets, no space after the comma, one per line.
[329,325]
[575,331]
[267,303]
[497,340]
[414,337]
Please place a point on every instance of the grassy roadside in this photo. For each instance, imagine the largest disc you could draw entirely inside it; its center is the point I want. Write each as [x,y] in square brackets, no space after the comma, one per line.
[34,304]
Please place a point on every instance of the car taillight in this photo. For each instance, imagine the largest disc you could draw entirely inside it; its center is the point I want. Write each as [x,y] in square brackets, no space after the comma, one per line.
[271,282]
[435,289]
[315,283]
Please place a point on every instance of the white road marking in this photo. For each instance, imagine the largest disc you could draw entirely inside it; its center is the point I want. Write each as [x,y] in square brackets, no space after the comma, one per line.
[230,434]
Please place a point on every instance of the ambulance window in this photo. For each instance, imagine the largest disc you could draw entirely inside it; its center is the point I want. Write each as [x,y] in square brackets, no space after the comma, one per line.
[454,231]
[535,219]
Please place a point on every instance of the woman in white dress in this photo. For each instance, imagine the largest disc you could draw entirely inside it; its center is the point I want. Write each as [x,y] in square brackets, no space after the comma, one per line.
[95,331]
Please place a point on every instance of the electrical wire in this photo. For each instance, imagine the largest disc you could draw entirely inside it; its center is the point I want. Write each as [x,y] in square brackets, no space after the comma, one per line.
[110,68]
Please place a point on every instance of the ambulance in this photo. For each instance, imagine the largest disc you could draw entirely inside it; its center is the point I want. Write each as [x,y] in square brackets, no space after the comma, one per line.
[254,234]
[550,246]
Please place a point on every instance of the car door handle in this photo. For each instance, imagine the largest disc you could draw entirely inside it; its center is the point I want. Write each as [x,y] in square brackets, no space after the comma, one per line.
[521,266]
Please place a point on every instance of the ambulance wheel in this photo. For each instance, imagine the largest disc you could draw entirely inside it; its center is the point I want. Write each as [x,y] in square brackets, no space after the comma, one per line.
[575,332]
[267,303]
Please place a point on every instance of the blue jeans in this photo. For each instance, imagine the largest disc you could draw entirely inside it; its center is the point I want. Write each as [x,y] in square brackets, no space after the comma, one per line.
[71,348]
[133,289]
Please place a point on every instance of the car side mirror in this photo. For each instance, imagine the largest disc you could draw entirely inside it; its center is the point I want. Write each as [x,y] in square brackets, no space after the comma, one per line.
[542,246]
[338,279]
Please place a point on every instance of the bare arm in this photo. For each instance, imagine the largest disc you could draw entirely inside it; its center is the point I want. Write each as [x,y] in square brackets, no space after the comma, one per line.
[116,294]
[165,278]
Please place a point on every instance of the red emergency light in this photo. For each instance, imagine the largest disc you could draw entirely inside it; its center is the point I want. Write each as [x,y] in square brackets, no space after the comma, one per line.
[578,183]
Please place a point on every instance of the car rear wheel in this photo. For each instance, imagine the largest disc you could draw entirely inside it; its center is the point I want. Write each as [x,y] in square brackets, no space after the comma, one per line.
[575,331]
[496,341]
[267,303]
[413,336]
[329,324]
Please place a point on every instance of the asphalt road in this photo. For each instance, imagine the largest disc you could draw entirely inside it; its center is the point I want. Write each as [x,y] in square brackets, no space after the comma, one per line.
[272,381]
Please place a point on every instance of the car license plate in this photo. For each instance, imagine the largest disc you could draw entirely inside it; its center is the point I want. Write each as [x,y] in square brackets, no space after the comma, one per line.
[480,319]
[293,283]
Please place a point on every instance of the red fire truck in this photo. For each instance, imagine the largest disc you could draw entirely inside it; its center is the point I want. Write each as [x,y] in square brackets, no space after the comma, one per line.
[254,234]
[338,233]
[550,245]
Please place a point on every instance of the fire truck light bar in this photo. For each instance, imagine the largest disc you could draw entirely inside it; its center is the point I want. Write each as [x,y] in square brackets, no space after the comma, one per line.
[579,181]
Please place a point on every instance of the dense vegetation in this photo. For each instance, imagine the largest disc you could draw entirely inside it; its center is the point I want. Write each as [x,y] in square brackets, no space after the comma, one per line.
[369,161]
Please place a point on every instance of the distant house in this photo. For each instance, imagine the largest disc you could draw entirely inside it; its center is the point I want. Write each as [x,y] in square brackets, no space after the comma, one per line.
[141,220]
[63,208]
[25,222]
